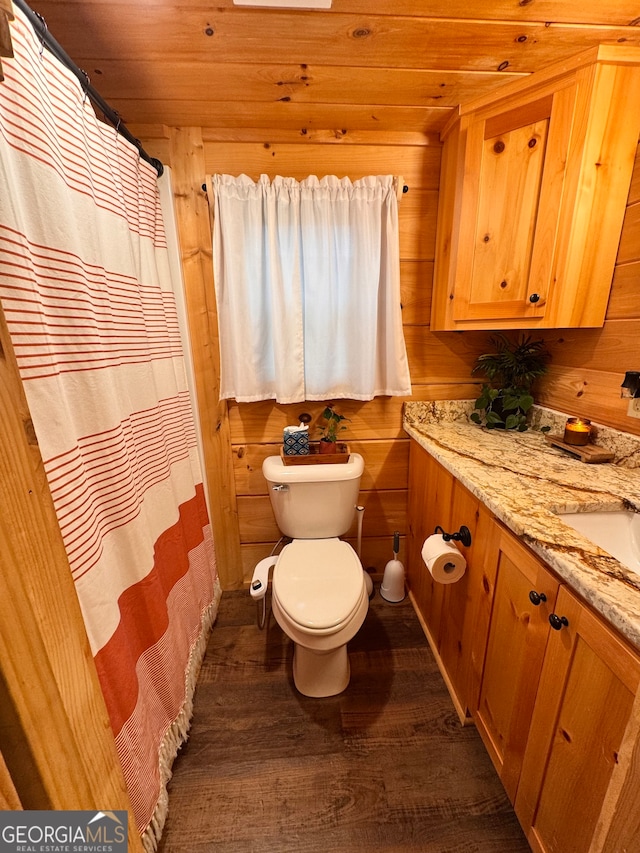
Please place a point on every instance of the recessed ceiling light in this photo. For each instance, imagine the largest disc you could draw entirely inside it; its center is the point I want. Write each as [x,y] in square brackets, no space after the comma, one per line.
[286,4]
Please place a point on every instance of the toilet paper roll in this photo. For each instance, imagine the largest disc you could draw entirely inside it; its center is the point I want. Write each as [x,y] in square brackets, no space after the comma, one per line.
[444,561]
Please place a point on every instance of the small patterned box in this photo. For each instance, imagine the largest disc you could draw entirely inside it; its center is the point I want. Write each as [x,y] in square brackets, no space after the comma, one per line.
[296,441]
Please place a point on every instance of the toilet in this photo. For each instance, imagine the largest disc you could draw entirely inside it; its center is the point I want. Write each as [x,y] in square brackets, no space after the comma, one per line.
[319,595]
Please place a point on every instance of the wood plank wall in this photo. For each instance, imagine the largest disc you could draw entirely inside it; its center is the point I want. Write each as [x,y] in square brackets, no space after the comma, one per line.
[440,364]
[588,365]
[584,378]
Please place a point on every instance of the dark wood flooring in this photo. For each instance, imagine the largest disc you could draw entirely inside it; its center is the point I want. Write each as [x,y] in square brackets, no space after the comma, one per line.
[386,766]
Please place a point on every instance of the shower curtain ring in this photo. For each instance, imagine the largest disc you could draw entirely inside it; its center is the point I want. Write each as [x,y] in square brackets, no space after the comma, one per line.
[44,29]
[87,82]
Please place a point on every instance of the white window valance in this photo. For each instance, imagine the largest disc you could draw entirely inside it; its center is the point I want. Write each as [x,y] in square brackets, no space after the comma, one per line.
[307,278]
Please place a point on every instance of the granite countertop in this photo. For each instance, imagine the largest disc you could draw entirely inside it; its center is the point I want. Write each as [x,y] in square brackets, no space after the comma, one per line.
[526,483]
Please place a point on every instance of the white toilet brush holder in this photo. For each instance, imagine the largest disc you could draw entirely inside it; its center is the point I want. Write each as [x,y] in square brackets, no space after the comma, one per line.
[392,588]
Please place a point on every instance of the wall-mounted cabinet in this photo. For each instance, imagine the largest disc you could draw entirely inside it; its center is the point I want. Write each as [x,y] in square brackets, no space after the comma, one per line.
[534,183]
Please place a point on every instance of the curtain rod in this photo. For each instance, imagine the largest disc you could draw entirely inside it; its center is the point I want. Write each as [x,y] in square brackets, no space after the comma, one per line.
[39,25]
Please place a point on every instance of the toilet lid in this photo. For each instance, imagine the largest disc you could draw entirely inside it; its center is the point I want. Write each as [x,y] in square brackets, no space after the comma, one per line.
[318,582]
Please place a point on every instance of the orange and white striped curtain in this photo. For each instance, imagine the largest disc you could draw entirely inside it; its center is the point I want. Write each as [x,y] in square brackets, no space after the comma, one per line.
[86,290]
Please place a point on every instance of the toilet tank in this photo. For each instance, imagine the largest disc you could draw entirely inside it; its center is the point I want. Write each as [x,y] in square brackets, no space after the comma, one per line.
[313,501]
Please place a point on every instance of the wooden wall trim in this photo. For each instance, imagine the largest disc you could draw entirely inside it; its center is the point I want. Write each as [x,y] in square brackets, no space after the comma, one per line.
[154,133]
[419,166]
[194,234]
[9,799]
[55,735]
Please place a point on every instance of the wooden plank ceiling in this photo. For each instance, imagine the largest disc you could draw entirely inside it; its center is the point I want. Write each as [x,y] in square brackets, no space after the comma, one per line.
[363,65]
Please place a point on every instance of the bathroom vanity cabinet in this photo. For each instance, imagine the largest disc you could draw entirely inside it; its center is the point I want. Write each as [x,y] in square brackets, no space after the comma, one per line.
[533,189]
[557,706]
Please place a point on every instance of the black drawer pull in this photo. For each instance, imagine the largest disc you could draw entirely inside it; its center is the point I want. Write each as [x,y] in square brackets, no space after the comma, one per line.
[537,597]
[557,622]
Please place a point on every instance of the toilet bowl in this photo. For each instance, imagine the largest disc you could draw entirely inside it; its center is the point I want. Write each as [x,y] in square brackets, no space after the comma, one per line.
[320,600]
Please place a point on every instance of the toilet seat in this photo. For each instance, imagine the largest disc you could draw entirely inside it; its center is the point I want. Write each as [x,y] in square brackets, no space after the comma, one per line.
[318,583]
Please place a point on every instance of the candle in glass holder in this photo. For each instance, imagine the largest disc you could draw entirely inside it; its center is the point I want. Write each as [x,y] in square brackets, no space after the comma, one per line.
[576,431]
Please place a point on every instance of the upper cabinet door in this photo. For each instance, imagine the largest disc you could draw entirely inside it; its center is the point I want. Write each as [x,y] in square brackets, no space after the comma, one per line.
[533,191]
[504,169]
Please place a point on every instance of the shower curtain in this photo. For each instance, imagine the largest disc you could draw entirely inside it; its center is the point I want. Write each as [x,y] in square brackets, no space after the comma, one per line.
[85,285]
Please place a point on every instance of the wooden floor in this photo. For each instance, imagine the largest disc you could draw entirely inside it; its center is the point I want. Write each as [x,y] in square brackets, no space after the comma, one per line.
[385,766]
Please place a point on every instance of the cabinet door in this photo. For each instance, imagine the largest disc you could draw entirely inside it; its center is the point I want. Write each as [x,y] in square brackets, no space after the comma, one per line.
[587,687]
[429,504]
[449,612]
[515,650]
[461,600]
[504,163]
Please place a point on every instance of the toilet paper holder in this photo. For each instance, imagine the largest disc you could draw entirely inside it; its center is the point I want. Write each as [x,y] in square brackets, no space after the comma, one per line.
[463,535]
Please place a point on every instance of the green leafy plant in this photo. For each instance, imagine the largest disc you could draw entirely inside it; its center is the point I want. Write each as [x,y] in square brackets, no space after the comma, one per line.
[511,370]
[334,424]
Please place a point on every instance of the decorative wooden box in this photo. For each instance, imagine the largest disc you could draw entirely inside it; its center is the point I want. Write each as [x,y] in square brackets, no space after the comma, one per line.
[314,456]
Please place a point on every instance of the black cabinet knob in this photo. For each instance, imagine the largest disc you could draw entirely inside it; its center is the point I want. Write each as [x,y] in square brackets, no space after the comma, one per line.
[537,597]
[557,622]
[535,297]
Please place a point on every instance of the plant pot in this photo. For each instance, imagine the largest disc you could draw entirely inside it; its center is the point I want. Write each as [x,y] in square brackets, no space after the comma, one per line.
[496,408]
[327,446]
[496,415]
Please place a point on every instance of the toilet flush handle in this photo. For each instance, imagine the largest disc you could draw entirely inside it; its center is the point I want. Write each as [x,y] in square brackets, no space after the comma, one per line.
[280,487]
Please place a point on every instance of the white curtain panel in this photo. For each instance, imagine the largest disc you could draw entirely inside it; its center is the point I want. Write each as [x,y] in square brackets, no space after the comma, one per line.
[307,278]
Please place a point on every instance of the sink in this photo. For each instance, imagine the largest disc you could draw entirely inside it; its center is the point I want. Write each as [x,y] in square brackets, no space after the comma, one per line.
[617,532]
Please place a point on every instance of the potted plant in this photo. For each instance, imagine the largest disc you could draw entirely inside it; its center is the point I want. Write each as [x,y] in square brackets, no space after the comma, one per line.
[329,431]
[511,370]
